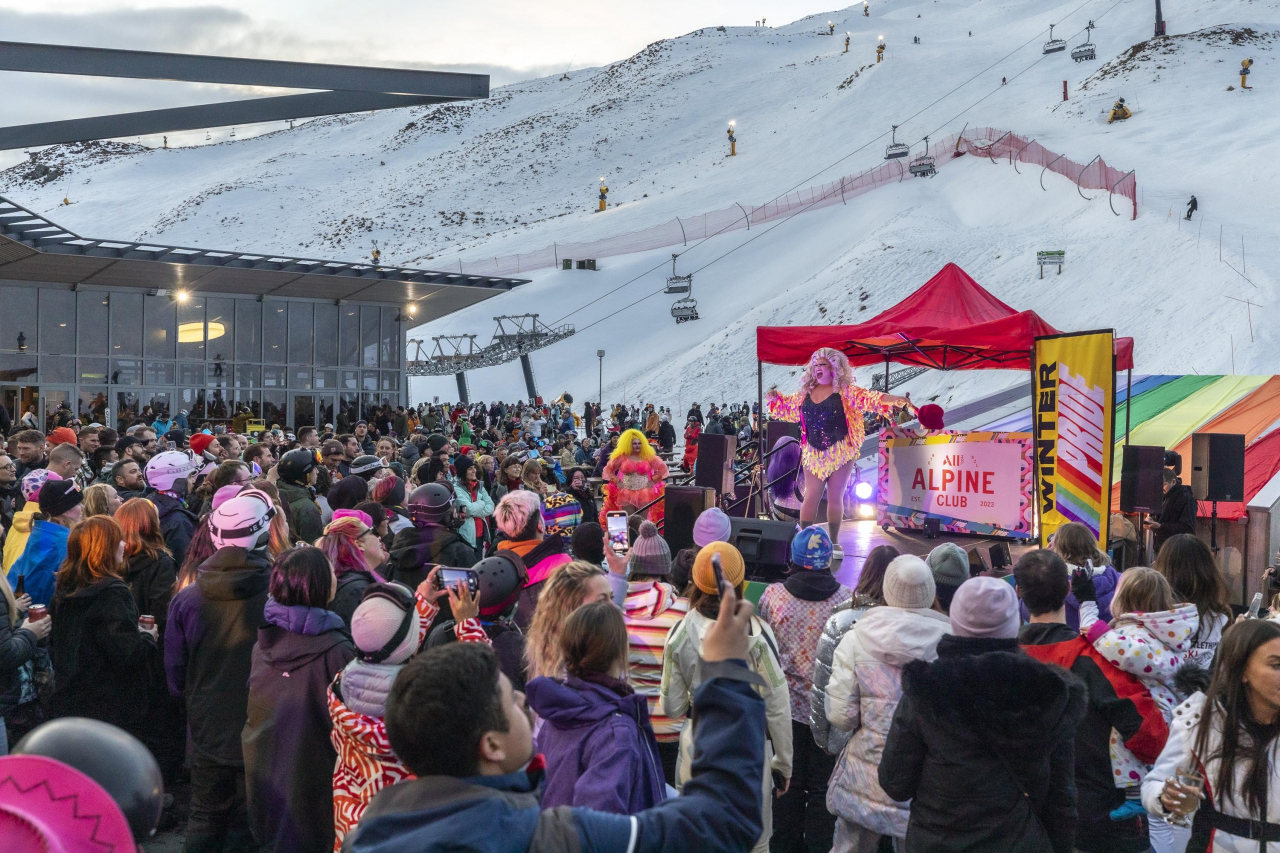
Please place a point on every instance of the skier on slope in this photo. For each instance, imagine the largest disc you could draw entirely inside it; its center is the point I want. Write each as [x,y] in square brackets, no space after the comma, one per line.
[1192,207]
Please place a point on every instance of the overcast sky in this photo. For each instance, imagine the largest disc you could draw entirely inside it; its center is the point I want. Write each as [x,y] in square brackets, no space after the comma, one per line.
[509,39]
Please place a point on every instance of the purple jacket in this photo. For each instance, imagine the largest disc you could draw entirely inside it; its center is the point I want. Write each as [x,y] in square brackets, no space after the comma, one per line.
[599,747]
[1104,582]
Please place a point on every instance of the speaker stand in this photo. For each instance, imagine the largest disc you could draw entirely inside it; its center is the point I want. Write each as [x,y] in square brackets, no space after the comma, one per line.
[1213,529]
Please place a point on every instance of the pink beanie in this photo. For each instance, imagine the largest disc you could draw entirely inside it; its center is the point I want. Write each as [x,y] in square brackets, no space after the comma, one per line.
[985,607]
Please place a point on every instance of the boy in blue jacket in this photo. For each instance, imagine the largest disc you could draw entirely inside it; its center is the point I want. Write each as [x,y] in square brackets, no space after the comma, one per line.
[455,721]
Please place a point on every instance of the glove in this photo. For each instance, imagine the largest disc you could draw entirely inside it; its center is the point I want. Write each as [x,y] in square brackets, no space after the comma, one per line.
[1082,586]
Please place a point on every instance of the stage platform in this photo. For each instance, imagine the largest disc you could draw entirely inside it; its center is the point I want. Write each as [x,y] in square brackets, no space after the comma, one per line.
[858,538]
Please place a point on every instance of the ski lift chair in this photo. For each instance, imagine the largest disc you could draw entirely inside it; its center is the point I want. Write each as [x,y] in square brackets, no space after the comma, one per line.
[1085,51]
[678,283]
[1054,45]
[895,149]
[685,310]
[923,166]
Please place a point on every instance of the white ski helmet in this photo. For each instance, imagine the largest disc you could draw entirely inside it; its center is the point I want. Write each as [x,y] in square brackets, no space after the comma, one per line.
[243,521]
[164,469]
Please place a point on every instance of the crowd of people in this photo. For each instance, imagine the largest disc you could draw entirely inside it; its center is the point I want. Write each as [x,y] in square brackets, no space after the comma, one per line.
[418,636]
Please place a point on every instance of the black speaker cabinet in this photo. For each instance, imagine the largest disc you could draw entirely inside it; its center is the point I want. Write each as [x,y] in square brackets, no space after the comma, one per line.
[683,506]
[1142,478]
[715,462]
[765,546]
[740,505]
[1217,466]
[775,430]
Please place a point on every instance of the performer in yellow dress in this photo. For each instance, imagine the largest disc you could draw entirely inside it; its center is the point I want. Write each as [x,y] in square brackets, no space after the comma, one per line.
[829,409]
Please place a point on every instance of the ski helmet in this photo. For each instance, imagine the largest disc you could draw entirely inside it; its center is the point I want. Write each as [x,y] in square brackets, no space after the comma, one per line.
[296,465]
[243,521]
[432,504]
[164,469]
[366,466]
[500,577]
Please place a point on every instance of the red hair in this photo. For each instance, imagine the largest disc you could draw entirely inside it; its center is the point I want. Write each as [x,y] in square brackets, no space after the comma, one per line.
[92,549]
[140,524]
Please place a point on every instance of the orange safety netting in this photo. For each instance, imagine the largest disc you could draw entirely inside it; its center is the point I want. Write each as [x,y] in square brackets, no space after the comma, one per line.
[985,142]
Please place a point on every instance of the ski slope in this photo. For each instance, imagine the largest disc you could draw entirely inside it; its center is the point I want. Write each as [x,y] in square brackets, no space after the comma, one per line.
[519,171]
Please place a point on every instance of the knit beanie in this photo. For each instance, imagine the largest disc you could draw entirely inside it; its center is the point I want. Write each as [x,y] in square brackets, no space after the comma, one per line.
[225,494]
[436,442]
[200,442]
[731,563]
[561,513]
[59,496]
[985,607]
[33,480]
[908,582]
[711,526]
[375,622]
[950,565]
[61,435]
[650,554]
[347,492]
[811,548]
[587,543]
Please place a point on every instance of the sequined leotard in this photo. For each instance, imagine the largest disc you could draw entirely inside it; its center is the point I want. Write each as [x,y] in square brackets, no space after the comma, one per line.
[832,430]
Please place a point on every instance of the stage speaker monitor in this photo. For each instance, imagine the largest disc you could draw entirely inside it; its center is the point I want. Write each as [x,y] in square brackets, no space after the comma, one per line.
[683,506]
[715,462]
[1217,466]
[1000,557]
[765,545]
[1141,478]
[775,430]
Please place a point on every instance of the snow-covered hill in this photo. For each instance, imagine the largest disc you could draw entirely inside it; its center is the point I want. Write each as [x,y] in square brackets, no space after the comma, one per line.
[519,171]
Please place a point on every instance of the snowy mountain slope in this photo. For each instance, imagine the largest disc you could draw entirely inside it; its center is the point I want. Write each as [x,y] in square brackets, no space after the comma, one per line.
[518,171]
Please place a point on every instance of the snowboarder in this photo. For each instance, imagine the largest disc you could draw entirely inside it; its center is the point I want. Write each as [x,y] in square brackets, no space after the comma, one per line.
[1192,207]
[1244,73]
[1119,112]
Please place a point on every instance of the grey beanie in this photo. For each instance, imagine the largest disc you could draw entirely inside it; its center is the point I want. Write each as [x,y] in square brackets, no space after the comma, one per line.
[650,554]
[950,565]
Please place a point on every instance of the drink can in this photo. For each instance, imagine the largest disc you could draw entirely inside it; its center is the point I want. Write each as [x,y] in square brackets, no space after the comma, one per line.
[37,612]
[146,621]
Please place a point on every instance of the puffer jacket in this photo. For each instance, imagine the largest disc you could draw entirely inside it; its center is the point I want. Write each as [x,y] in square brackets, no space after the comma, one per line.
[1178,750]
[15,541]
[357,703]
[831,740]
[866,684]
[45,550]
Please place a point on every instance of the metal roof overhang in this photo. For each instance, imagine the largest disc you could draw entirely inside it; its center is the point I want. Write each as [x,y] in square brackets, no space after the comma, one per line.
[34,249]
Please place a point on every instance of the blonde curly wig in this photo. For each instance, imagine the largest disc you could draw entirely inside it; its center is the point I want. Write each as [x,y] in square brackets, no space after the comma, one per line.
[839,366]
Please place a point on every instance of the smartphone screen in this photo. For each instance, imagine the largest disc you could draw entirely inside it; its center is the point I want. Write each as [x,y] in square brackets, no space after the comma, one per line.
[617,522]
[449,577]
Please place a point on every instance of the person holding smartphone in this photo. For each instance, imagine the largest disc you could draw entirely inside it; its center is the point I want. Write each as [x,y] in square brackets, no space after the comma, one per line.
[681,679]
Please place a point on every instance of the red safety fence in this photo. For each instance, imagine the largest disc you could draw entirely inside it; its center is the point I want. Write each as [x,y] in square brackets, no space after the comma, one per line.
[985,142]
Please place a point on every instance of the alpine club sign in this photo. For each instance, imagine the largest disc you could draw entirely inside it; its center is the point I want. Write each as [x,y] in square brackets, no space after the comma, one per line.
[1073,416]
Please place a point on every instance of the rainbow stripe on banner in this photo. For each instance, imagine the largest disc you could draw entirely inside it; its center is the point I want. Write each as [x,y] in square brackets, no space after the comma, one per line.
[1073,388]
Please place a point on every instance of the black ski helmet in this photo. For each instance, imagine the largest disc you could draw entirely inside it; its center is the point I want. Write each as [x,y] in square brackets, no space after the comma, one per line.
[296,465]
[432,504]
[500,577]
[110,756]
[366,465]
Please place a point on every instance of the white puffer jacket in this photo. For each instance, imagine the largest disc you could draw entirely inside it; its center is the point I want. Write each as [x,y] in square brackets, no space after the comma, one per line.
[865,687]
[838,624]
[1182,736]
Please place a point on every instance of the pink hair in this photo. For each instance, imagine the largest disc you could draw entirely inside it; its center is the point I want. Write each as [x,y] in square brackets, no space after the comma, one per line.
[514,511]
[340,544]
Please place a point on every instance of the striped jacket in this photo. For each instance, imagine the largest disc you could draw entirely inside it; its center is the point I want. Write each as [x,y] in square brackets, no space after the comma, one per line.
[651,610]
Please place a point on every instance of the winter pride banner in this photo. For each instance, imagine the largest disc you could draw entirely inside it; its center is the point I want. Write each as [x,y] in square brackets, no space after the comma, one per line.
[972,482]
[1073,383]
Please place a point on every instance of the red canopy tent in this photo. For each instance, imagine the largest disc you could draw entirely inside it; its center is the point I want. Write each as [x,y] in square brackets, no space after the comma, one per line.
[951,323]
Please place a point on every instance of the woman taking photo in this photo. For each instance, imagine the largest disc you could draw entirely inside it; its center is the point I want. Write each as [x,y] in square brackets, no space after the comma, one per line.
[1226,738]
[103,659]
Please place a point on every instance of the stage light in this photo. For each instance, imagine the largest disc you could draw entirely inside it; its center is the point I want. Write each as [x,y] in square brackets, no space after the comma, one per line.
[863,491]
[866,510]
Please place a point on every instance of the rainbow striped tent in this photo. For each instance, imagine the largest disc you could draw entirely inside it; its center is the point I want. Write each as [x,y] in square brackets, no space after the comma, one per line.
[1166,410]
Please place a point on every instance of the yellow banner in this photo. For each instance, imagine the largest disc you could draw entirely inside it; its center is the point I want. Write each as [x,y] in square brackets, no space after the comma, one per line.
[1073,384]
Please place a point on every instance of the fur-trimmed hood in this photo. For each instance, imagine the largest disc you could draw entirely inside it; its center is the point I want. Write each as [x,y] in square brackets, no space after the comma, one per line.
[997,692]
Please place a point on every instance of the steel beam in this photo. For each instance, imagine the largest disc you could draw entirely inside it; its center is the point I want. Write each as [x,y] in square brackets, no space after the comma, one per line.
[236,71]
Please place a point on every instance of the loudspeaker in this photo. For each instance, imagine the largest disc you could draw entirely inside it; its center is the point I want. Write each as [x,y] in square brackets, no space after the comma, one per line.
[774,430]
[1000,556]
[741,507]
[1217,466]
[715,462]
[1142,478]
[765,546]
[976,564]
[683,506]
